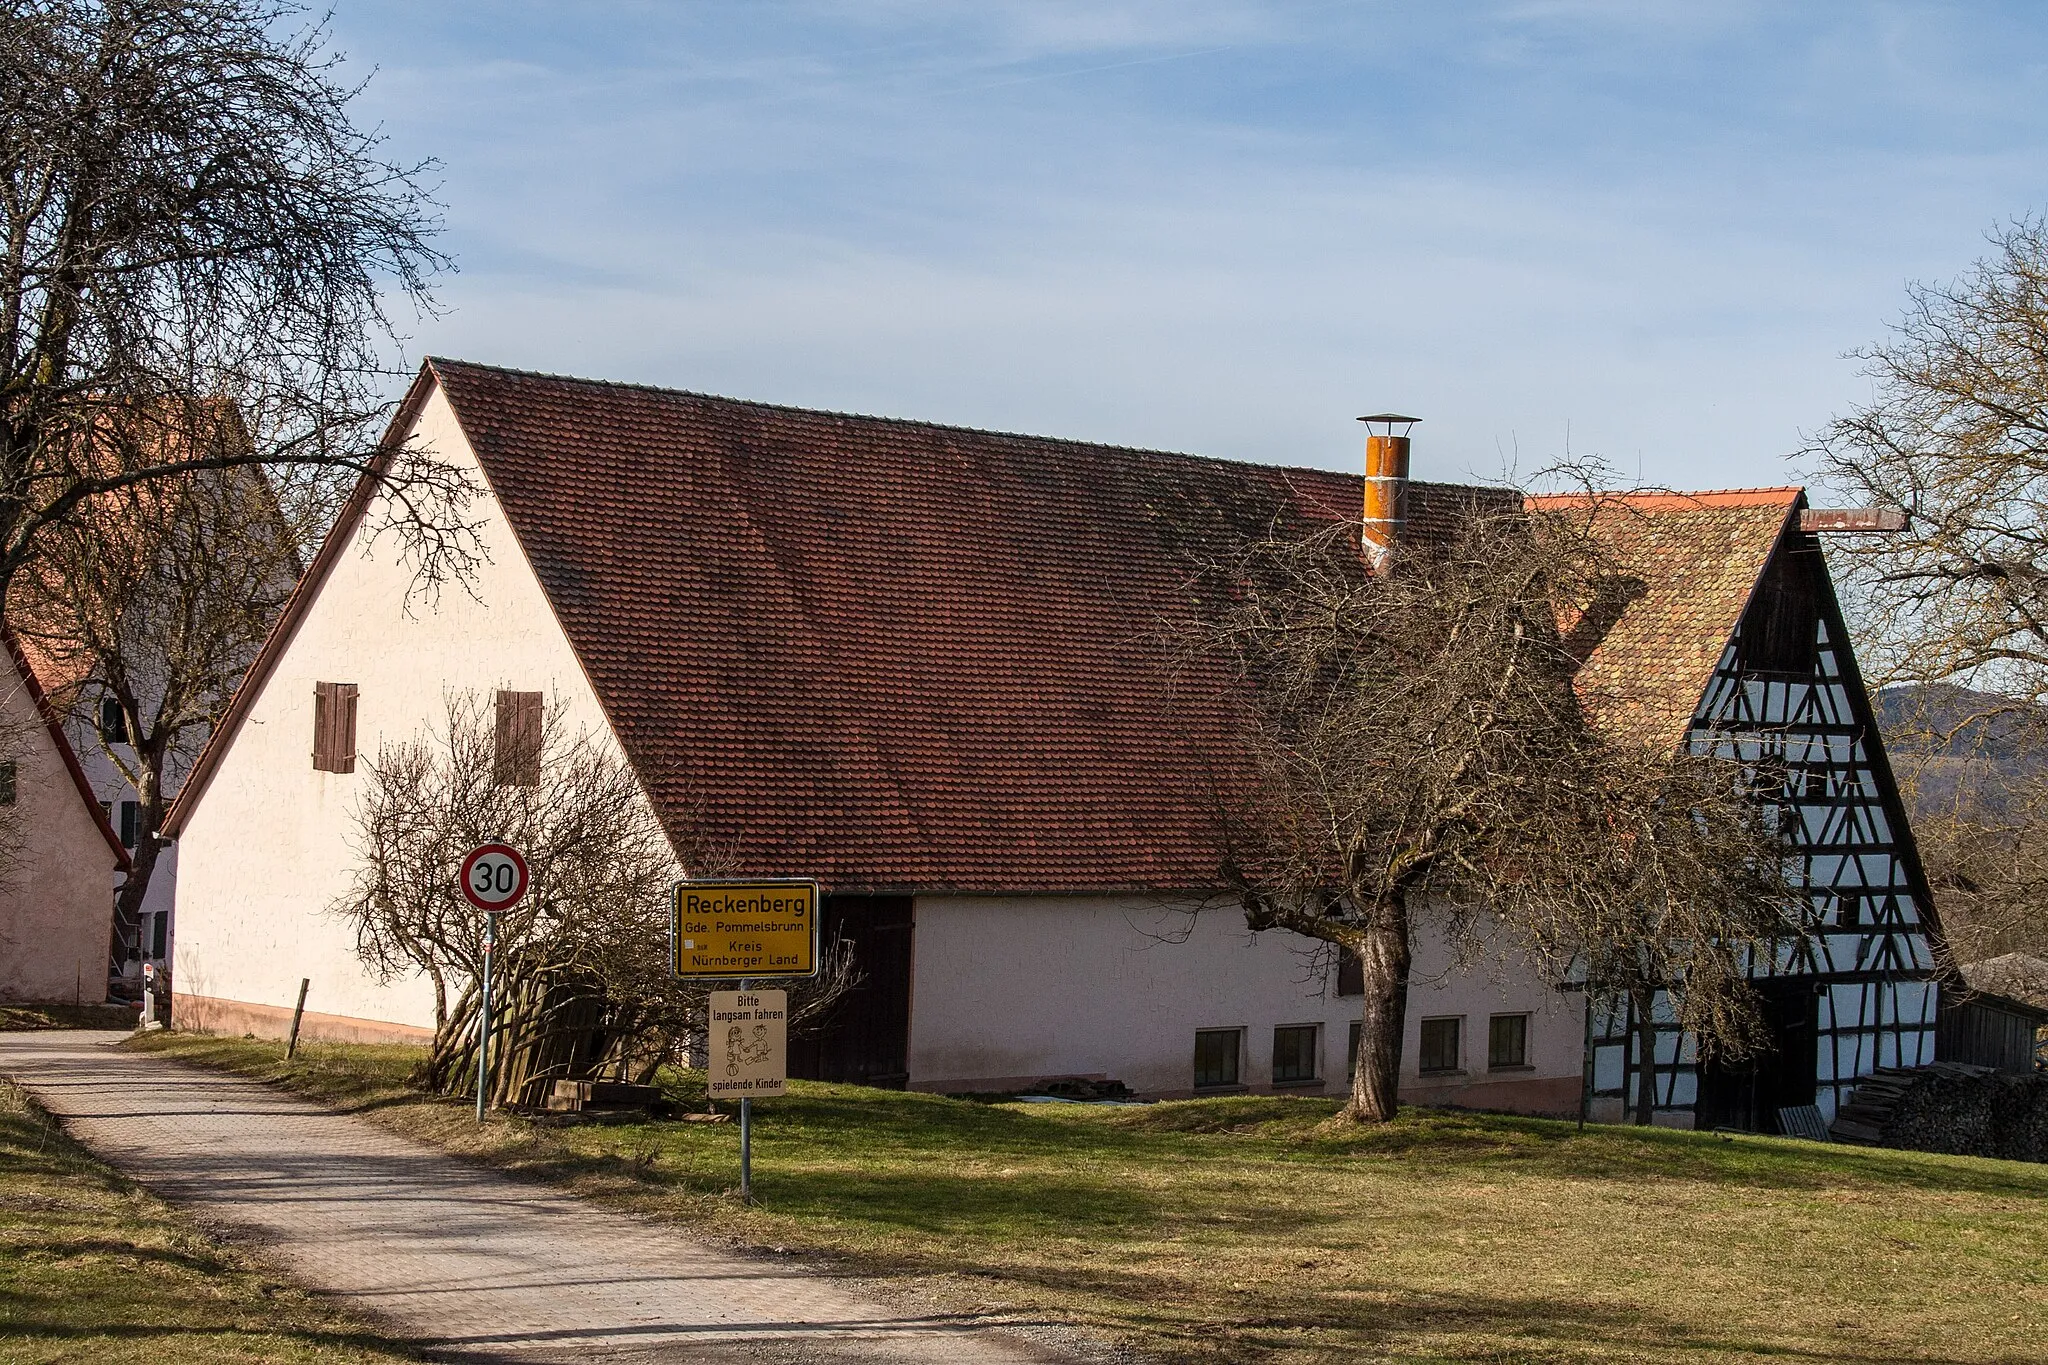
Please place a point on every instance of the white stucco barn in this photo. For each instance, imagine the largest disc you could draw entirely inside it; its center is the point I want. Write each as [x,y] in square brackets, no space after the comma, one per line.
[909,660]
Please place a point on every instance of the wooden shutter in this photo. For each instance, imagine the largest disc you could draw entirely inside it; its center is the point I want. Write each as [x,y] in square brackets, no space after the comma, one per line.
[334,727]
[519,733]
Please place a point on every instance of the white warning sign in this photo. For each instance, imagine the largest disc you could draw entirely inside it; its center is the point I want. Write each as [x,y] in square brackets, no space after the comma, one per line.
[748,1056]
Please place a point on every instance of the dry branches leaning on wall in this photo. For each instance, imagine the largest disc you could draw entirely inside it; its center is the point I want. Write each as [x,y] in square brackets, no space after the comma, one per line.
[1414,752]
[581,976]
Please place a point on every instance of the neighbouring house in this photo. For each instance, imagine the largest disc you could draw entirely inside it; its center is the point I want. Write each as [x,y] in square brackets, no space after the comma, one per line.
[920,664]
[89,729]
[56,899]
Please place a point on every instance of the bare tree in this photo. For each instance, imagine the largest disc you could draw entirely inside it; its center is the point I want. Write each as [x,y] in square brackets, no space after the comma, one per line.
[581,975]
[1417,754]
[1973,767]
[191,222]
[1956,433]
[157,596]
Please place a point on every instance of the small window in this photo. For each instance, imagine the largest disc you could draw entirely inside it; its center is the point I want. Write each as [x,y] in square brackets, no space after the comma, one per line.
[1216,1052]
[1350,973]
[113,722]
[160,935]
[1440,1044]
[1294,1053]
[1507,1041]
[1351,1051]
[1848,909]
[131,816]
[334,727]
[9,774]
[518,757]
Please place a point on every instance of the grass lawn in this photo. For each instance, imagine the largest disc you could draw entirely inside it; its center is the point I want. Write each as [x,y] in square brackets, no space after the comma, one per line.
[1246,1230]
[21,1018]
[92,1269]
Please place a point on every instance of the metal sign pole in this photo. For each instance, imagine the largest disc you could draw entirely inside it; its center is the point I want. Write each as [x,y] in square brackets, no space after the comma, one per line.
[483,1037]
[746,1141]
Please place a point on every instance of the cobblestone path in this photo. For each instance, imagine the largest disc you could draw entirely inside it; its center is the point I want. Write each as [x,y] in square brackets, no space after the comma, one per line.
[470,1263]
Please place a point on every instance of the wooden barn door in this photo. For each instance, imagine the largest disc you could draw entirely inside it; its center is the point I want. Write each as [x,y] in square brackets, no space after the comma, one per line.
[866,1040]
[1748,1095]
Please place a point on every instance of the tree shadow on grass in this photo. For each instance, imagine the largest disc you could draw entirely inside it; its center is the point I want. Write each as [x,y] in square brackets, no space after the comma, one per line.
[1361,1318]
[1450,1143]
[260,1343]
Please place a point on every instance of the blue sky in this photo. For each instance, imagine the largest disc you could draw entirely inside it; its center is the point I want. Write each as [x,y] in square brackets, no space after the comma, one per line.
[1647,229]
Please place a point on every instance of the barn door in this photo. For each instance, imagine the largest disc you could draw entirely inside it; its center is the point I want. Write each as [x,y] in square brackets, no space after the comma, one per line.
[866,1040]
[1748,1095]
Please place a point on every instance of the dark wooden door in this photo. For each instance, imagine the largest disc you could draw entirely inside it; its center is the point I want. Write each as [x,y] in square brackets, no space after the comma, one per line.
[866,1038]
[1748,1094]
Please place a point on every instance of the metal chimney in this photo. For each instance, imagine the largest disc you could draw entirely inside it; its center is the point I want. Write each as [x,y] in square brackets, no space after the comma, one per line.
[1386,485]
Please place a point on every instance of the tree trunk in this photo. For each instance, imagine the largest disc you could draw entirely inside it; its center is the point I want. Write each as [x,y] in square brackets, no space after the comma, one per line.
[141,859]
[1643,1006]
[1383,955]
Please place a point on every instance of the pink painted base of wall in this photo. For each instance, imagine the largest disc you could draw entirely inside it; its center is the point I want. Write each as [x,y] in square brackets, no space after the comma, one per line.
[209,1014]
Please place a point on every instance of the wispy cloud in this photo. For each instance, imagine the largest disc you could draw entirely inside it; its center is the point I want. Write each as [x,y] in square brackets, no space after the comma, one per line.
[1221,226]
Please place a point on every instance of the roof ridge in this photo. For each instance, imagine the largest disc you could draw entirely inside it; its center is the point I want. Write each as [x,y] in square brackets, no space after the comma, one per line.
[924,424]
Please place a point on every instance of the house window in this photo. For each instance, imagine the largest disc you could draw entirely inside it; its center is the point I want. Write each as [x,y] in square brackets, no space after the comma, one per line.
[518,758]
[9,774]
[131,816]
[1507,1041]
[1216,1052]
[1848,909]
[1351,1051]
[334,727]
[1294,1054]
[158,932]
[113,721]
[1440,1044]
[1350,973]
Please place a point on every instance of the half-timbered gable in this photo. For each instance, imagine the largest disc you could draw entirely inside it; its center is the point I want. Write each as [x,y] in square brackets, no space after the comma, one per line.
[1784,696]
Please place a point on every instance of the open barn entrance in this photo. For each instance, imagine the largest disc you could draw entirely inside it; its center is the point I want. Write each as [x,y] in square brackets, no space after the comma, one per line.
[1748,1094]
[866,1039]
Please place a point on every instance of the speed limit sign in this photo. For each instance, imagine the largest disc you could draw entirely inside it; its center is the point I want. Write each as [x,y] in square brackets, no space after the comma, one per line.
[493,876]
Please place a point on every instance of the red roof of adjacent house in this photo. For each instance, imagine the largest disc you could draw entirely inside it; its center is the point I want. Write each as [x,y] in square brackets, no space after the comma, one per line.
[892,654]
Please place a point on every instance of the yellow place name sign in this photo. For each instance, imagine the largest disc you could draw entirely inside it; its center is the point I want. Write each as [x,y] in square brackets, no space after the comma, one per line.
[731,929]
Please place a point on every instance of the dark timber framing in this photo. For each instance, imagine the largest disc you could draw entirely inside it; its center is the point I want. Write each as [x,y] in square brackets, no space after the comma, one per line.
[1857,991]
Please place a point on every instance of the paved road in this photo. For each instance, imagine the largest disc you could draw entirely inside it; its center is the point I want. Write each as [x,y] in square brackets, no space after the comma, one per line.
[472,1263]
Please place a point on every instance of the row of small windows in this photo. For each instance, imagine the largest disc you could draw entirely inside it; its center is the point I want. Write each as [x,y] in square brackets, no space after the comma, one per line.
[1443,1043]
[516,762]
[1297,1053]
[1297,1050]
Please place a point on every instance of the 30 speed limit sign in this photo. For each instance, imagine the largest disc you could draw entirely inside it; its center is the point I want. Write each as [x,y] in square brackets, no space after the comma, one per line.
[494,876]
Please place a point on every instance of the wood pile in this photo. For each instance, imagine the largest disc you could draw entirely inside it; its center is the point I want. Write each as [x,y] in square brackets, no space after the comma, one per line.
[582,1097]
[1949,1107]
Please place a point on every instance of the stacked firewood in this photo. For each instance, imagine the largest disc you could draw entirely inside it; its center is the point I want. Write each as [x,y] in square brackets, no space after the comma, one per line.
[1949,1107]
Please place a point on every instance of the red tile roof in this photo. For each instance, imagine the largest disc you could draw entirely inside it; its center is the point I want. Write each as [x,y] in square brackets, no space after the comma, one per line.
[1695,558]
[885,653]
[893,654]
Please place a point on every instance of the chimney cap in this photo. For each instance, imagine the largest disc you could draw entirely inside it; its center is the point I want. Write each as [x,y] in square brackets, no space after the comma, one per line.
[1390,418]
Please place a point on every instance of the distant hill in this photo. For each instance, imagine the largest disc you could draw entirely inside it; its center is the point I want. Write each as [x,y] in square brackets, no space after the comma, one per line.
[1945,740]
